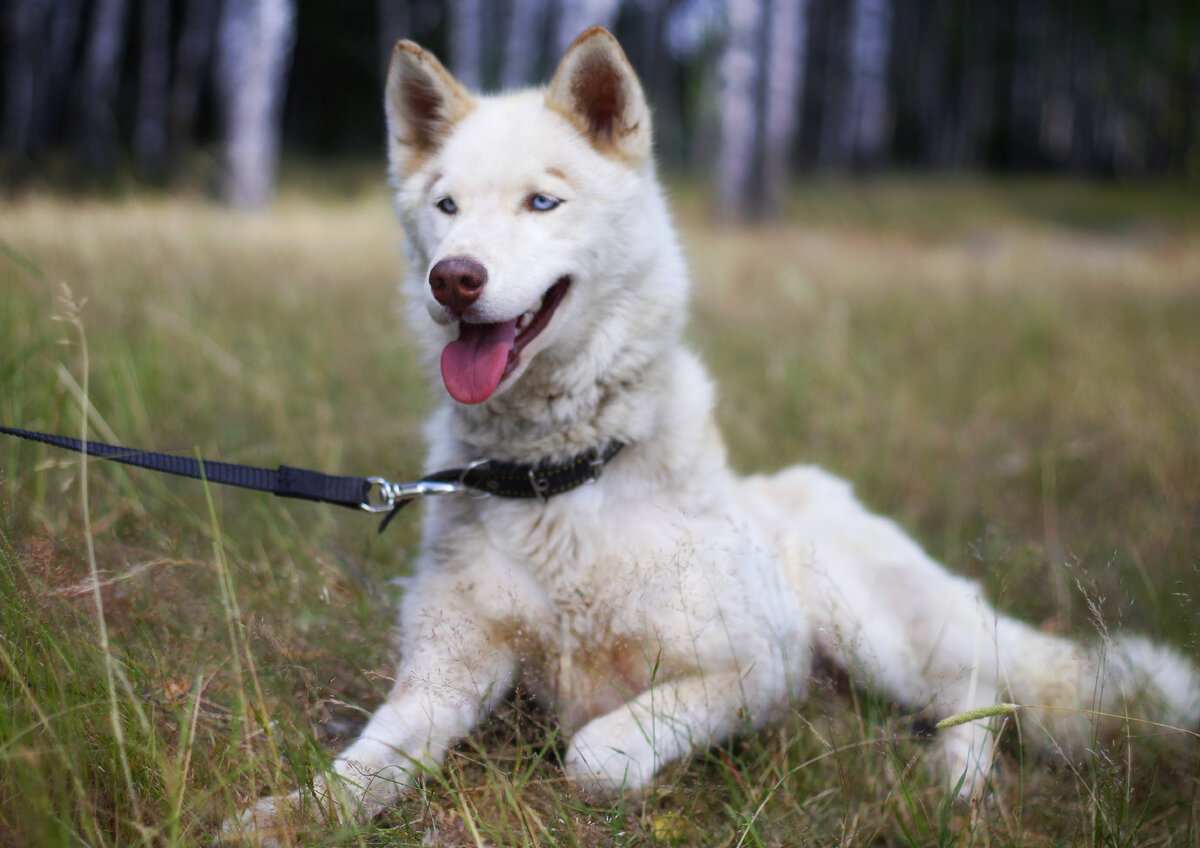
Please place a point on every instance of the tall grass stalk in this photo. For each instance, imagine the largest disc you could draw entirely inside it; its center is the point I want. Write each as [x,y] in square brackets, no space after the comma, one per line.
[993,710]
[235,627]
[71,314]
[93,832]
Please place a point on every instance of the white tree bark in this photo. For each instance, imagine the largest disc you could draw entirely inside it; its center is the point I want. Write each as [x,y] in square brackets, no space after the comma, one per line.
[523,44]
[740,71]
[574,16]
[466,42]
[394,24]
[867,123]
[787,41]
[154,75]
[255,53]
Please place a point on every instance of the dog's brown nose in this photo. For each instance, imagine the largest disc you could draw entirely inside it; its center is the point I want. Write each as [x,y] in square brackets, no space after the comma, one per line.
[457,282]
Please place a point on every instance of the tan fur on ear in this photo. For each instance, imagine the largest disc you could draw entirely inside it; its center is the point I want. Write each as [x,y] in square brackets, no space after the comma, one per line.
[596,89]
[423,101]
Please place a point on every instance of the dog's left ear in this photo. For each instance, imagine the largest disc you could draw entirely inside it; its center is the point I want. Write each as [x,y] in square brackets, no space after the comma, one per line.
[596,89]
[422,103]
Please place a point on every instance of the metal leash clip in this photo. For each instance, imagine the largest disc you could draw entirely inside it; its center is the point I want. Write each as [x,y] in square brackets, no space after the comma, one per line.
[473,491]
[384,496]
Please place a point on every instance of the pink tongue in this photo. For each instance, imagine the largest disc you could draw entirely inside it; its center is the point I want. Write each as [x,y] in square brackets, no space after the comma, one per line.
[473,365]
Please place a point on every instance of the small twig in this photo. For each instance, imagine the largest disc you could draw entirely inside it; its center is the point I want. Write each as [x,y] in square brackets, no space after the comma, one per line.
[103,581]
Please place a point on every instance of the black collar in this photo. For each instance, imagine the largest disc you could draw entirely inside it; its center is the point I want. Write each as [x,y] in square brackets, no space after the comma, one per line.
[541,480]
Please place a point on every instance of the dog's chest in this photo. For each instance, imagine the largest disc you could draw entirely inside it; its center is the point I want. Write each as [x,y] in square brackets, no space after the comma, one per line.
[612,601]
[584,631]
[580,663]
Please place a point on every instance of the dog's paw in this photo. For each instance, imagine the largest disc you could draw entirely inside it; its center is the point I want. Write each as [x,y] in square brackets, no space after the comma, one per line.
[963,756]
[270,823]
[598,768]
[283,820]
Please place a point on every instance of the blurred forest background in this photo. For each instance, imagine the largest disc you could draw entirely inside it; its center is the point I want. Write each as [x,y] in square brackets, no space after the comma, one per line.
[749,91]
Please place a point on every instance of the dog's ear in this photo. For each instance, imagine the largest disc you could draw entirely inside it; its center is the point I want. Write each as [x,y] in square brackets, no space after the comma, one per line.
[597,90]
[423,101]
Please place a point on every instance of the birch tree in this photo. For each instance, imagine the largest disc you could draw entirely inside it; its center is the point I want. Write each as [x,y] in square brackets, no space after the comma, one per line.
[574,16]
[740,71]
[394,24]
[866,125]
[787,42]
[466,42]
[522,46]
[252,65]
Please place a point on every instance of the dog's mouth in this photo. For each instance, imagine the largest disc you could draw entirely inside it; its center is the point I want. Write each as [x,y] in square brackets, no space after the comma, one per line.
[484,354]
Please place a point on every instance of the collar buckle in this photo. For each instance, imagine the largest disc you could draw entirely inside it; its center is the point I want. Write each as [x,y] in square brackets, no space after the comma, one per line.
[383,496]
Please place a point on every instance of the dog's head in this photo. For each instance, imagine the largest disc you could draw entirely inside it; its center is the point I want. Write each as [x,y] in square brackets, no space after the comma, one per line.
[522,213]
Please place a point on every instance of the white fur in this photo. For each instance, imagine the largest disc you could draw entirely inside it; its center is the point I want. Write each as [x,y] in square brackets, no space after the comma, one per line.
[670,604]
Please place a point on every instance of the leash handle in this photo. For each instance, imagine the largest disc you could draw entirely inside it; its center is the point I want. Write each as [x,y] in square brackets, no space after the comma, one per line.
[284,481]
[370,494]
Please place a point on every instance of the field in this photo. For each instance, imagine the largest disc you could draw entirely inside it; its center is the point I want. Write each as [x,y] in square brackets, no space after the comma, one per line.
[1012,370]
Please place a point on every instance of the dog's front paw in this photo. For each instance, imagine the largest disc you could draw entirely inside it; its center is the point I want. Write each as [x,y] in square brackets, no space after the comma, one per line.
[283,820]
[963,756]
[598,768]
[270,823]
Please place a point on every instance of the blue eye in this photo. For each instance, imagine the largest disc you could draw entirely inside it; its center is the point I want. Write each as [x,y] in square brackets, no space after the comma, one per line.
[542,202]
[447,205]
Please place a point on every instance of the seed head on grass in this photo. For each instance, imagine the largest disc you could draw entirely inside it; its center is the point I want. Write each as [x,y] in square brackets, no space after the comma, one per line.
[974,715]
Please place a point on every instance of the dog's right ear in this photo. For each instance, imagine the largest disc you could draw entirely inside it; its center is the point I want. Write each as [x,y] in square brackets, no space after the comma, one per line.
[597,90]
[423,102]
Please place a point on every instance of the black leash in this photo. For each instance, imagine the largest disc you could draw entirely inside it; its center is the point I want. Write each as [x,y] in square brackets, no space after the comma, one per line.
[372,494]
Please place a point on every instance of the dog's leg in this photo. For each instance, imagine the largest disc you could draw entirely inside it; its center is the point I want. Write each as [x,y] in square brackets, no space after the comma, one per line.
[622,750]
[453,673]
[427,711]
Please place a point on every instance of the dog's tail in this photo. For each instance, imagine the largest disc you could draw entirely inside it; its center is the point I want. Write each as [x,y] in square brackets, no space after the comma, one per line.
[1080,694]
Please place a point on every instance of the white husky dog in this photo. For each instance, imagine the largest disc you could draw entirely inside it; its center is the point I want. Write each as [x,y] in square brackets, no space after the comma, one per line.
[668,604]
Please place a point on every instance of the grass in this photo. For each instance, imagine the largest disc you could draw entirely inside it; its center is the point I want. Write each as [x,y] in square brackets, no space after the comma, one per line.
[1010,369]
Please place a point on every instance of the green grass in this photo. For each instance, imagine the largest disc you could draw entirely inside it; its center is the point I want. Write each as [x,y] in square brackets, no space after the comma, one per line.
[1010,369]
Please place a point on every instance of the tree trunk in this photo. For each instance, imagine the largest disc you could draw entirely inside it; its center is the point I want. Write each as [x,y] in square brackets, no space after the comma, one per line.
[466,42]
[977,81]
[394,24]
[53,86]
[787,41]
[834,91]
[193,55]
[255,47]
[577,15]
[935,120]
[21,30]
[522,46]
[867,125]
[101,76]
[740,74]
[154,74]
